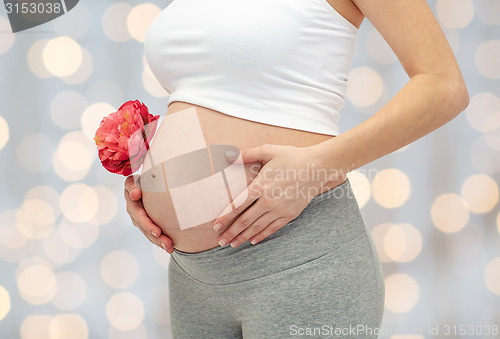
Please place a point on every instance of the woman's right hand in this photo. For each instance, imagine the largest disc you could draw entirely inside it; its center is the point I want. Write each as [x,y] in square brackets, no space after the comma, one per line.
[140,219]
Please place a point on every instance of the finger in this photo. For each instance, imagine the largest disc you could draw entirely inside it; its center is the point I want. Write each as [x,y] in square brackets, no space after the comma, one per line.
[146,223]
[133,188]
[257,226]
[140,218]
[270,229]
[262,153]
[163,241]
[166,243]
[242,223]
[241,202]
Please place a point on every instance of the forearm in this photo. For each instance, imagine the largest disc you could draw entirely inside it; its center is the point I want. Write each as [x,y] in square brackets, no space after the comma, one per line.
[425,103]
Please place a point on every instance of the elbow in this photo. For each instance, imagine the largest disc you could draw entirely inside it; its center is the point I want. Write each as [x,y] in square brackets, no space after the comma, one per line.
[457,97]
[462,96]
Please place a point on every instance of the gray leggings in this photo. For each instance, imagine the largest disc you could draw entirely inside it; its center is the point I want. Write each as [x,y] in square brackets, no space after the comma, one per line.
[318,276]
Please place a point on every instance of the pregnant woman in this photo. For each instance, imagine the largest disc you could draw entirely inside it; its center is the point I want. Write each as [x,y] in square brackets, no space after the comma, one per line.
[286,254]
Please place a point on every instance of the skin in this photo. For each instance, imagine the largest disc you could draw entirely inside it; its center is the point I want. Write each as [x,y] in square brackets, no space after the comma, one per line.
[435,94]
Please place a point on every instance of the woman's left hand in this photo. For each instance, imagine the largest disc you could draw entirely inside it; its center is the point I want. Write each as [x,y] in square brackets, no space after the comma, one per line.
[289,179]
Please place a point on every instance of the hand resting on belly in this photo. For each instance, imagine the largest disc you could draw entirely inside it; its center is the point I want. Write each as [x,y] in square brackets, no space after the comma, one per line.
[186,183]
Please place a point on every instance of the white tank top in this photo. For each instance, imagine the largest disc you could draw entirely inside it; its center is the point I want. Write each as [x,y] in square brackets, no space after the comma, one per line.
[278,62]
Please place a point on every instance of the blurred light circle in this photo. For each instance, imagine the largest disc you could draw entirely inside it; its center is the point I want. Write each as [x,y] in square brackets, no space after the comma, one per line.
[37,284]
[483,112]
[449,213]
[114,21]
[4,302]
[365,86]
[403,242]
[125,311]
[103,90]
[119,269]
[488,11]
[34,152]
[36,327]
[69,164]
[483,157]
[33,261]
[47,194]
[71,291]
[75,155]
[79,203]
[35,60]
[57,250]
[74,23]
[402,293]
[36,218]
[83,72]
[108,206]
[62,56]
[139,333]
[480,192]
[7,39]
[493,140]
[66,109]
[486,57]
[455,13]
[378,49]
[16,251]
[378,234]
[64,173]
[4,133]
[492,276]
[38,212]
[152,85]
[64,326]
[161,256]
[79,235]
[391,188]
[92,117]
[360,187]
[140,18]
[10,235]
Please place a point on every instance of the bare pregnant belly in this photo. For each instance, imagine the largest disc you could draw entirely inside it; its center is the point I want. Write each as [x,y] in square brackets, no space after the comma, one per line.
[183,169]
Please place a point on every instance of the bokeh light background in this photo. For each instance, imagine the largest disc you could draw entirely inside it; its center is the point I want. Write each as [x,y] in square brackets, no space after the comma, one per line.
[73,266]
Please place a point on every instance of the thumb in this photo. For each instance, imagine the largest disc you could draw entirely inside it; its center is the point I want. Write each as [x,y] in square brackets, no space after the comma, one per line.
[133,187]
[249,155]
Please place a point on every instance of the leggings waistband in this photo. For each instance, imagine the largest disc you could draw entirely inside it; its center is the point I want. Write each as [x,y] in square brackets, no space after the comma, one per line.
[330,221]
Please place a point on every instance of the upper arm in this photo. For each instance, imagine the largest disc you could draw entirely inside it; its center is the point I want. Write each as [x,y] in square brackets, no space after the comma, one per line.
[414,34]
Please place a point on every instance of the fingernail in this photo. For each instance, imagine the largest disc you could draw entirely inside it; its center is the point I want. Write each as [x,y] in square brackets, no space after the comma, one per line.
[164,247]
[231,154]
[217,226]
[132,191]
[234,243]
[153,233]
[223,242]
[253,241]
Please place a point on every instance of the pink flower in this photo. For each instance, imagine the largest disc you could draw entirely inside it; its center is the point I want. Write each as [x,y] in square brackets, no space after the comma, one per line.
[123,137]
